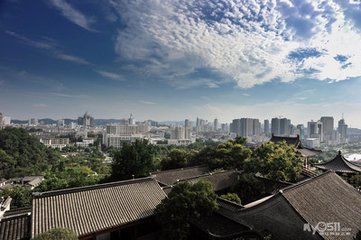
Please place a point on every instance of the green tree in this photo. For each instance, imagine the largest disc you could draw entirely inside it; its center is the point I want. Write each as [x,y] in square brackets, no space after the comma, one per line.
[57,234]
[176,158]
[278,161]
[185,202]
[7,165]
[249,188]
[21,196]
[26,155]
[355,181]
[135,159]
[233,197]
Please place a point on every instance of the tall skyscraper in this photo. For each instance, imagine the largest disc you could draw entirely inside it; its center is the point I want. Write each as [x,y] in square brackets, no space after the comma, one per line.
[301,131]
[342,129]
[187,129]
[315,130]
[215,124]
[249,127]
[285,126]
[266,128]
[275,126]
[236,126]
[328,127]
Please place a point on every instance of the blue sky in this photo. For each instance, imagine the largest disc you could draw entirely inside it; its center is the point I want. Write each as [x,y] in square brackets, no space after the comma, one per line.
[176,59]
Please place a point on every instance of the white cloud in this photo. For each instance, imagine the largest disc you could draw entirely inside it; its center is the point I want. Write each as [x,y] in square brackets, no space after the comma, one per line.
[111,75]
[51,46]
[37,44]
[73,14]
[246,41]
[72,58]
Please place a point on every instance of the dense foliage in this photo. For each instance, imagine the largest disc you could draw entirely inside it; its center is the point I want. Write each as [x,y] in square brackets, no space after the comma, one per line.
[57,234]
[21,196]
[249,188]
[22,154]
[133,160]
[233,197]
[278,161]
[185,202]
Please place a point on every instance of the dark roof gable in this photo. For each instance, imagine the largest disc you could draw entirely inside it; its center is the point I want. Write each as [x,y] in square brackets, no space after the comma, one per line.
[339,164]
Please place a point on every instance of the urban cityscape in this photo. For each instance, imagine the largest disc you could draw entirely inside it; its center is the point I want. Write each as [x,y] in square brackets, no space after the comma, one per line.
[324,132]
[180,120]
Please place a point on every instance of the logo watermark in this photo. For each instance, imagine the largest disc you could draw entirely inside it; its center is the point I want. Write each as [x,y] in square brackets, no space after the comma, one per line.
[327,229]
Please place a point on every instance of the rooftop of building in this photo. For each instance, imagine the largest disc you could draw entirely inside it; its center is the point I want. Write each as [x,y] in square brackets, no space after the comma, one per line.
[339,164]
[91,209]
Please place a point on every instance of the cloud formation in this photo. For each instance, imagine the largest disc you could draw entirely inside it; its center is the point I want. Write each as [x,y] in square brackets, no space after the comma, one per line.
[73,15]
[248,42]
[110,75]
[50,46]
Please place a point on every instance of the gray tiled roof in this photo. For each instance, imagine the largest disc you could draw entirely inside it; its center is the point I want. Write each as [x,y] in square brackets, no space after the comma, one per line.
[325,198]
[91,209]
[219,180]
[170,177]
[16,227]
[289,140]
[339,164]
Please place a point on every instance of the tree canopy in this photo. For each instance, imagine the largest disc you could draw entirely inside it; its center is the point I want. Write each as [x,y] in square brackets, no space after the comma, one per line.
[133,160]
[278,161]
[22,154]
[185,202]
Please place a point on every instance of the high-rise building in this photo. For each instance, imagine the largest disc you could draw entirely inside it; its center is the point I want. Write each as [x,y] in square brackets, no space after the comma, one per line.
[236,126]
[249,127]
[215,124]
[178,133]
[328,127]
[266,127]
[131,120]
[285,127]
[315,130]
[275,126]
[86,120]
[187,129]
[301,131]
[342,129]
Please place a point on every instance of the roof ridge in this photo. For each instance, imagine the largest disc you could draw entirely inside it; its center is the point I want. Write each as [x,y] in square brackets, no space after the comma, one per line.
[90,187]
[178,169]
[208,174]
[306,181]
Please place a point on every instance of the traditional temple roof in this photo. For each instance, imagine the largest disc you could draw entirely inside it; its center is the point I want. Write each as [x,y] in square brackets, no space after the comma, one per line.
[170,177]
[296,142]
[326,198]
[339,164]
[91,209]
[219,180]
[15,227]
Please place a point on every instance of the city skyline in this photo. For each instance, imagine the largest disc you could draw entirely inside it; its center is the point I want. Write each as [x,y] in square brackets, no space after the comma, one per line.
[172,60]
